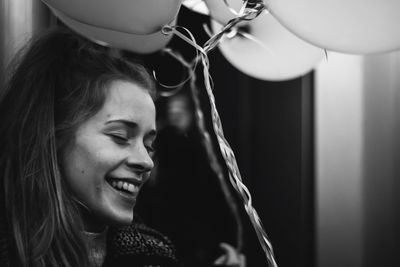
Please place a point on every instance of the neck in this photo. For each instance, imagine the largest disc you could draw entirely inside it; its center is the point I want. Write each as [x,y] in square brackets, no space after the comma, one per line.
[91,223]
[96,243]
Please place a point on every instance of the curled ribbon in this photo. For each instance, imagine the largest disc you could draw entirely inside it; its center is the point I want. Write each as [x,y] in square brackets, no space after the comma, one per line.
[250,10]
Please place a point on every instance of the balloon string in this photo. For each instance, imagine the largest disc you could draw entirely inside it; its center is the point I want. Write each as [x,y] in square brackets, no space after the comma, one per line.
[232,10]
[177,87]
[209,147]
[250,37]
[252,10]
[167,30]
[326,54]
[233,170]
[248,14]
[262,46]
[247,4]
[257,41]
[215,164]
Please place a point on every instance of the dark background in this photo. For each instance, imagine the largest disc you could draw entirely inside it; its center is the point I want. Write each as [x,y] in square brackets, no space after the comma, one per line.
[269,126]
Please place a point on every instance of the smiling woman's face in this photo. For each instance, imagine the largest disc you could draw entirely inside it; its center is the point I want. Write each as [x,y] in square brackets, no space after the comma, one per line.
[111,156]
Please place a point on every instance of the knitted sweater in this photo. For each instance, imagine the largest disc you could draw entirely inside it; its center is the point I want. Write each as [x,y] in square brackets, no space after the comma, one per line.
[135,246]
[139,245]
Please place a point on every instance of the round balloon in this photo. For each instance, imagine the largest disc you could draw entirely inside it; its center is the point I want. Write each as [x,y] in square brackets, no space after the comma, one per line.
[349,26]
[197,6]
[268,51]
[129,16]
[222,12]
[142,44]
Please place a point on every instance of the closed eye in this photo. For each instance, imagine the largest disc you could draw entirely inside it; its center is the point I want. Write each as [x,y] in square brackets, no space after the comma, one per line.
[119,138]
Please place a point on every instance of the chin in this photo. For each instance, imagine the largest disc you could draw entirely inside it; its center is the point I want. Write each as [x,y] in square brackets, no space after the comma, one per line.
[116,210]
[118,218]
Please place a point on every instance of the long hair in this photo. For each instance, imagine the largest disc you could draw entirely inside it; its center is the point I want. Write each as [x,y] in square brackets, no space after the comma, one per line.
[59,81]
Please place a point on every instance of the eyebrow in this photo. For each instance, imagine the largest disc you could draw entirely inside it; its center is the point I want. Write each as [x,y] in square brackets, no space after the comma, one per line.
[131,124]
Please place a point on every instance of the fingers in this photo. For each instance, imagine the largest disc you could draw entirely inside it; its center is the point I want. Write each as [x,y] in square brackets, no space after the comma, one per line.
[221,260]
[231,257]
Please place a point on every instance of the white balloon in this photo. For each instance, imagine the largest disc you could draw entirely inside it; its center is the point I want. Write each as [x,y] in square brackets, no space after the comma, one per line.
[129,16]
[142,44]
[198,6]
[349,26]
[275,54]
[221,12]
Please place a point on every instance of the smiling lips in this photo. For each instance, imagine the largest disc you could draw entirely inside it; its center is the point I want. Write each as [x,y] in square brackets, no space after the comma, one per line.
[124,186]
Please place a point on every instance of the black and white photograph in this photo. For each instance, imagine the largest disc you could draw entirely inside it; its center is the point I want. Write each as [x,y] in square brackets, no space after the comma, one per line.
[199,133]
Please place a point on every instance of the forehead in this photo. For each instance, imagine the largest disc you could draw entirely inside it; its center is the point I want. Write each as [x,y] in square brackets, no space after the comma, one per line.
[127,100]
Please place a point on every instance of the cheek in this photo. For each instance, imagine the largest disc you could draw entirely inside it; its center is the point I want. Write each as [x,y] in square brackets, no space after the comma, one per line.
[77,172]
[87,162]
[81,167]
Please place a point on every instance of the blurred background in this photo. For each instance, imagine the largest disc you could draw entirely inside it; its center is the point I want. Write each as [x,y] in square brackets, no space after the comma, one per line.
[319,152]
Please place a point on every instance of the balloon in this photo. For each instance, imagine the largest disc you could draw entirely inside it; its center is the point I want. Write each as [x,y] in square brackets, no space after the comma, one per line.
[349,26]
[142,44]
[270,53]
[197,6]
[276,54]
[129,16]
[220,11]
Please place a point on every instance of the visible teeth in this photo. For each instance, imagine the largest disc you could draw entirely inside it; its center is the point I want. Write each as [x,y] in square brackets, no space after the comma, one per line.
[125,186]
[131,188]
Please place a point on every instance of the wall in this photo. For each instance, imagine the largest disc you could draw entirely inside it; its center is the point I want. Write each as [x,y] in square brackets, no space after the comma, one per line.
[19,19]
[381,159]
[357,159]
[339,149]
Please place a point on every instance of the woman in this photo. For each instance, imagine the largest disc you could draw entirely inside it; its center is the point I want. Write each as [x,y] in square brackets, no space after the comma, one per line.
[77,127]
[76,140]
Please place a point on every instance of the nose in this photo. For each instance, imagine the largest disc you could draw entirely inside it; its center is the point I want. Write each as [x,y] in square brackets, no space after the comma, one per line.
[139,159]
